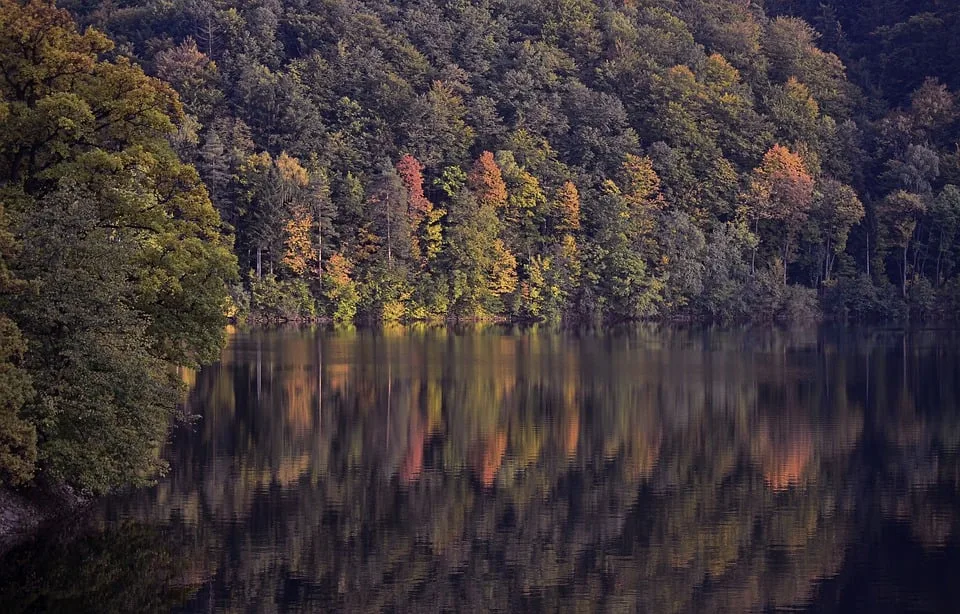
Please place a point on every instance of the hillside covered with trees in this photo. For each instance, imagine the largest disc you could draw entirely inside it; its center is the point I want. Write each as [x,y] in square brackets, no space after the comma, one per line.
[164,165]
[545,159]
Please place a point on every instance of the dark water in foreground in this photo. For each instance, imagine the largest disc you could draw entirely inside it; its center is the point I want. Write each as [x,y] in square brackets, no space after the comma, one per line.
[649,470]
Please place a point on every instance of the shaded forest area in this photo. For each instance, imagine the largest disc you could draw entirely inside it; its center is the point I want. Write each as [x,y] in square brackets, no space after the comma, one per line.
[569,159]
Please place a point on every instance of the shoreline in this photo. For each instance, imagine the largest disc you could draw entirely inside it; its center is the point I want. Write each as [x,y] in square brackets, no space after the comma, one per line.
[24,513]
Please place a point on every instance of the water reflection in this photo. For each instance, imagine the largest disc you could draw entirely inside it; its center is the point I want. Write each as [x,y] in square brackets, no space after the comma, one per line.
[647,469]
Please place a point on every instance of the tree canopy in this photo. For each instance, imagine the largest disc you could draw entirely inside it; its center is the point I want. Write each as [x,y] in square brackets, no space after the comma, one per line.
[114,265]
[403,115]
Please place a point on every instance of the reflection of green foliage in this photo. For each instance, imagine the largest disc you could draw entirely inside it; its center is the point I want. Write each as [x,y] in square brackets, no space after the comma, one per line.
[568,432]
[130,568]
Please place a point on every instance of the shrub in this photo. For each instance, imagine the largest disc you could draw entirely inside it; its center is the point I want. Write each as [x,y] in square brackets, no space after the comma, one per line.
[858,298]
[284,300]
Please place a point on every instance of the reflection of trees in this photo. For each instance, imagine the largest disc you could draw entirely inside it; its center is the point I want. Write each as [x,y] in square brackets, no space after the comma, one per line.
[538,467]
[127,568]
[919,429]
[651,470]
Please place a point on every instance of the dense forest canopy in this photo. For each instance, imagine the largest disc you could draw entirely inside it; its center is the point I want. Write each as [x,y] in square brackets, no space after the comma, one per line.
[572,159]
[890,46]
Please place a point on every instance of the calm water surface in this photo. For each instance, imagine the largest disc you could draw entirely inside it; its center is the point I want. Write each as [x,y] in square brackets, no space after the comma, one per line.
[648,469]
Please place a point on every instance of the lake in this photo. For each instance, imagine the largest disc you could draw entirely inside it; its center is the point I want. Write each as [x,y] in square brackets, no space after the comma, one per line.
[494,469]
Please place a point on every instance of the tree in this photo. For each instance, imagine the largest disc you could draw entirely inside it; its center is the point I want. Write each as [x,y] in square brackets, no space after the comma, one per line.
[340,289]
[525,213]
[642,197]
[486,182]
[214,166]
[836,209]
[683,248]
[898,213]
[323,211]
[483,268]
[562,91]
[193,75]
[946,218]
[640,182]
[420,214]
[105,395]
[275,191]
[914,170]
[790,45]
[616,275]
[300,252]
[121,245]
[388,201]
[257,228]
[566,208]
[797,114]
[933,106]
[439,134]
[781,190]
[18,437]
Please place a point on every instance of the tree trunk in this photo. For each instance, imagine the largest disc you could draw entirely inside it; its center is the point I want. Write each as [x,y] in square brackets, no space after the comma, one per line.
[259,262]
[319,247]
[939,256]
[389,241]
[786,250]
[868,253]
[903,272]
[827,262]
[320,258]
[918,259]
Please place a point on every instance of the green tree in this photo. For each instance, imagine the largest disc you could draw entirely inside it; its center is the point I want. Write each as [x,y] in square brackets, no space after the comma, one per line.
[837,209]
[275,190]
[945,211]
[119,243]
[483,268]
[18,437]
[899,213]
[105,395]
[618,280]
[439,134]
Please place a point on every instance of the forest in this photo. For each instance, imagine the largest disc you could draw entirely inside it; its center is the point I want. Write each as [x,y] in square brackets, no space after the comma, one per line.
[568,160]
[167,165]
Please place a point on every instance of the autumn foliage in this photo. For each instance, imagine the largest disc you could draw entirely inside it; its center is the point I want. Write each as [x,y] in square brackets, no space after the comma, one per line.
[486,182]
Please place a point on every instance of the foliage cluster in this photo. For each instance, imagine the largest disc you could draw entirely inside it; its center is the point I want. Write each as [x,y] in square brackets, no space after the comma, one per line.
[556,159]
[113,264]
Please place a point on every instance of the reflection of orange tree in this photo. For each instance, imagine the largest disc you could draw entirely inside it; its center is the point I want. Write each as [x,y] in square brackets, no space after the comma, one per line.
[625,471]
